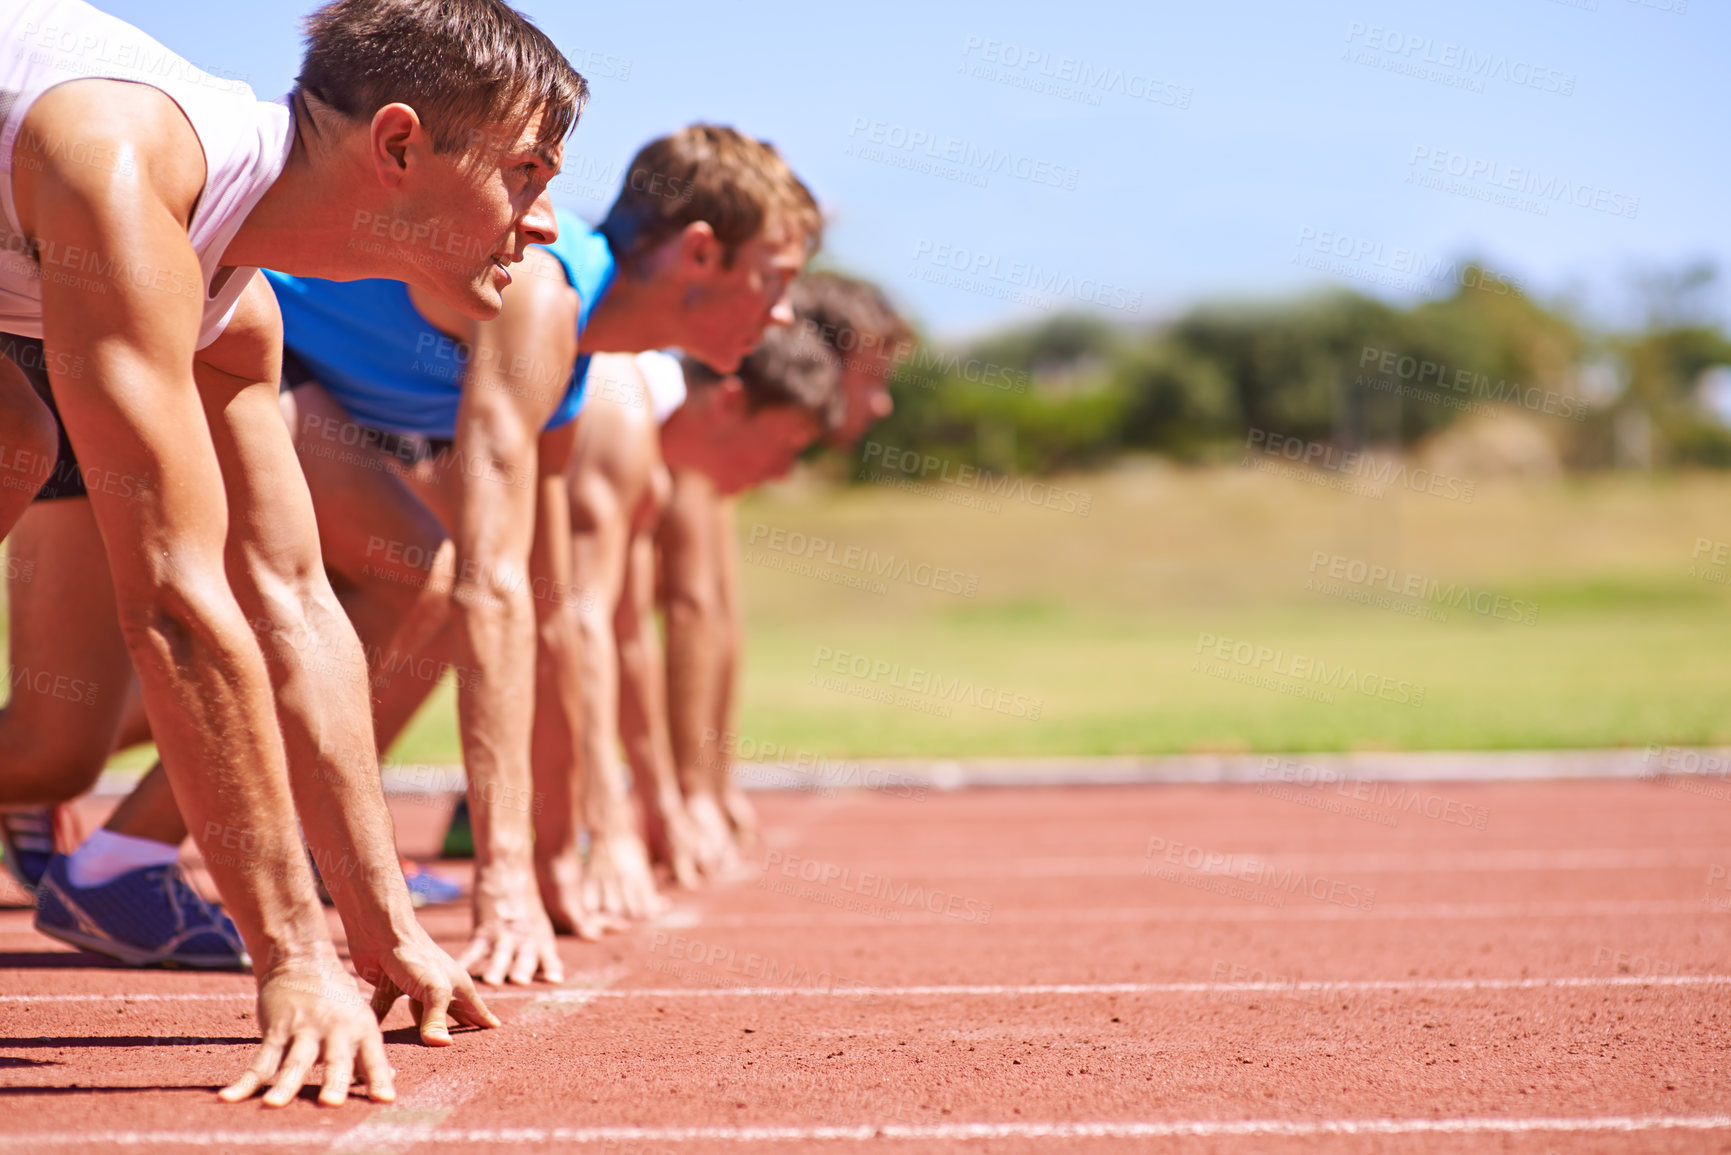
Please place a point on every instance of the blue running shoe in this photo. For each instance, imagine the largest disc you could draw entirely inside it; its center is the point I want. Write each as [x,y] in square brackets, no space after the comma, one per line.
[427,888]
[27,843]
[147,917]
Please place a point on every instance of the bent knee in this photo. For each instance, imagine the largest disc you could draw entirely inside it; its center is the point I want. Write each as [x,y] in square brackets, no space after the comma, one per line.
[28,432]
[48,764]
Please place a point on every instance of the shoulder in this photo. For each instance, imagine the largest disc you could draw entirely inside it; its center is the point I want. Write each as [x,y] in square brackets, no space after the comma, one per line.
[617,395]
[113,140]
[618,434]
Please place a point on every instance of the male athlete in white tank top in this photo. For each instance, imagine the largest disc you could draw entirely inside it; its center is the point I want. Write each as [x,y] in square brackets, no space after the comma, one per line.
[139,195]
[245,141]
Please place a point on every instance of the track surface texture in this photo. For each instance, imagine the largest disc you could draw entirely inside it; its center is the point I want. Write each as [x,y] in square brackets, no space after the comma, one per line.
[1410,967]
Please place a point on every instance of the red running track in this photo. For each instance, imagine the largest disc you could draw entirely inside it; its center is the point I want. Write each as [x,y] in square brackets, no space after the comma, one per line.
[1082,969]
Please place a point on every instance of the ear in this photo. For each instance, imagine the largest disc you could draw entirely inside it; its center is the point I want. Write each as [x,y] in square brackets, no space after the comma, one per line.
[699,251]
[396,132]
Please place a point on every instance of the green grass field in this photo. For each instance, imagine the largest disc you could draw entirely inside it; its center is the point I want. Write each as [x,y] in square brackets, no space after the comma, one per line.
[1099,619]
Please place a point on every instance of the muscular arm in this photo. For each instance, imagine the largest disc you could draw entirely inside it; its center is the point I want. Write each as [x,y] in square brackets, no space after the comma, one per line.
[318,673]
[643,708]
[272,536]
[741,816]
[695,625]
[690,560]
[608,475]
[129,305]
[519,370]
[730,628]
[599,533]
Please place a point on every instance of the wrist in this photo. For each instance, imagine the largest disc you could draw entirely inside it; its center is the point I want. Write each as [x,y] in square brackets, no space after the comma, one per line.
[502,821]
[376,922]
[506,890]
[295,951]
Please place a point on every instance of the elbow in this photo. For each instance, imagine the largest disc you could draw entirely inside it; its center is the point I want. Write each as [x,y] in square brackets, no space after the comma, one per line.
[692,602]
[490,587]
[592,628]
[183,621]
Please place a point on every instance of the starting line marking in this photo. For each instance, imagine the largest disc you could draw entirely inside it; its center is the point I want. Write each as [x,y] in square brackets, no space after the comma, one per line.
[582,995]
[1495,861]
[1199,1128]
[1315,912]
[1180,988]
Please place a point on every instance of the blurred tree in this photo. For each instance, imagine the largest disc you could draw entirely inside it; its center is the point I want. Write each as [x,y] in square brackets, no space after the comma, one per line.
[1337,367]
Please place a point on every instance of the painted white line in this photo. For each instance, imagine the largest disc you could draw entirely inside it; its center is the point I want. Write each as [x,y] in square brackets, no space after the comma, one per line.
[1154,916]
[407,1122]
[416,1116]
[583,995]
[1496,861]
[1035,990]
[1179,1128]
[1244,769]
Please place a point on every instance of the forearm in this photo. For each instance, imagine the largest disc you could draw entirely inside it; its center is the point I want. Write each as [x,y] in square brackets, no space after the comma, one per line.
[692,644]
[334,773]
[353,844]
[643,718]
[718,732]
[240,811]
[603,785]
[730,630]
[494,668]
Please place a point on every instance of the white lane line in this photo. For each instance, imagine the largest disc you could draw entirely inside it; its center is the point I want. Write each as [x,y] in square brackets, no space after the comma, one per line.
[1153,915]
[1103,866]
[584,995]
[1043,989]
[398,1126]
[1191,1128]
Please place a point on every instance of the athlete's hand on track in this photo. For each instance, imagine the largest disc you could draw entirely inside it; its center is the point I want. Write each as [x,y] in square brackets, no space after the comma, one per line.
[513,938]
[673,841]
[440,991]
[741,815]
[618,879]
[562,893]
[308,1013]
[717,853]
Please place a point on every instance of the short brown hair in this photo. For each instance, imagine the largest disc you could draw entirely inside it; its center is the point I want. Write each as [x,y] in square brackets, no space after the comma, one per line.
[850,315]
[706,172]
[462,65]
[792,367]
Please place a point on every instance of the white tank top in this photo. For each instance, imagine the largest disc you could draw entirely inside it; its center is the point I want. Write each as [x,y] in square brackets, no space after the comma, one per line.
[246,141]
[666,381]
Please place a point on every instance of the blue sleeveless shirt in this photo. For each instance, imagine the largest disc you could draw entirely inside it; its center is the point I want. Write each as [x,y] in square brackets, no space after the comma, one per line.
[367,344]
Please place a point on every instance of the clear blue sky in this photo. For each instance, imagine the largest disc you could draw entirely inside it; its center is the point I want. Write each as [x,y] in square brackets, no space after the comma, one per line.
[1200,150]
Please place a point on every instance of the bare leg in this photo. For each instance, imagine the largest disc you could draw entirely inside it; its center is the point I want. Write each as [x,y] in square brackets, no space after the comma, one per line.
[134,724]
[69,664]
[150,811]
[29,438]
[391,557]
[403,685]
